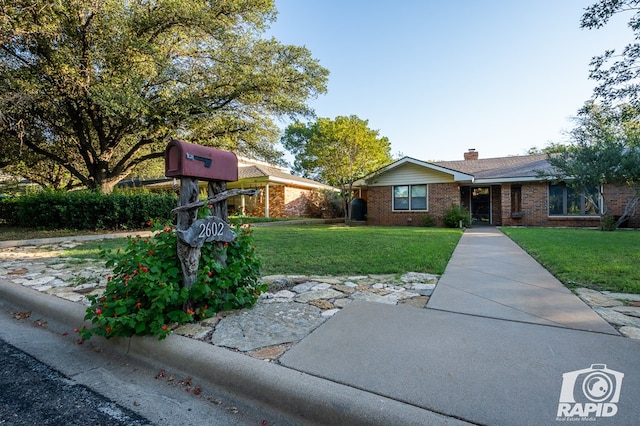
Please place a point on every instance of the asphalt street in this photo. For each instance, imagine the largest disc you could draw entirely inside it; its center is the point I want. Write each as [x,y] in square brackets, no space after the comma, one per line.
[47,378]
[32,393]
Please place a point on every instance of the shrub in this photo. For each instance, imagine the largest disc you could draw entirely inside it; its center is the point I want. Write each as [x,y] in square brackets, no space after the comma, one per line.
[427,221]
[92,210]
[9,211]
[144,295]
[456,215]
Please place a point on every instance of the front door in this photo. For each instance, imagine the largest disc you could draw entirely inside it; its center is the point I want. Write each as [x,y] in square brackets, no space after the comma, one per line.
[477,199]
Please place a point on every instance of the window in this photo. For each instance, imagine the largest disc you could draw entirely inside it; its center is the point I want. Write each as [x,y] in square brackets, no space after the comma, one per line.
[566,201]
[516,199]
[410,197]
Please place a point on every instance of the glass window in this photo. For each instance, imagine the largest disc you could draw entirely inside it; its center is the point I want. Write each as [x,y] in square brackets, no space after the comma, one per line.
[418,197]
[401,197]
[410,197]
[566,201]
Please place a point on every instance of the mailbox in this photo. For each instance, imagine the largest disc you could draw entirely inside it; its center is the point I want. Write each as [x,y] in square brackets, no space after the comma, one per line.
[197,161]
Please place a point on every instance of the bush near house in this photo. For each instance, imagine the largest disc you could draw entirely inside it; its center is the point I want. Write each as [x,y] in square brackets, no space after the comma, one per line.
[456,216]
[87,210]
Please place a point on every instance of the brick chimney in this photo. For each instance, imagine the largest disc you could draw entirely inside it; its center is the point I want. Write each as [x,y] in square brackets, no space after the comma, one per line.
[472,154]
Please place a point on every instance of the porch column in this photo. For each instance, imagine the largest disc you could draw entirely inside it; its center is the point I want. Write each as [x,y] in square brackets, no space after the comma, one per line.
[242,204]
[266,200]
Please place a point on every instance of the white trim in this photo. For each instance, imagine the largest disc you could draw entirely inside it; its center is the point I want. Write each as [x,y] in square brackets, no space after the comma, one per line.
[494,181]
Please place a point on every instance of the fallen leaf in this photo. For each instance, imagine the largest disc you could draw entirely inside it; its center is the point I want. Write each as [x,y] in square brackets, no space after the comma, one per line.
[40,323]
[21,315]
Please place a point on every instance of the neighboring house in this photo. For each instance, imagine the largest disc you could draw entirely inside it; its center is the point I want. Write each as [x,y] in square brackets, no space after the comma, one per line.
[506,191]
[283,194]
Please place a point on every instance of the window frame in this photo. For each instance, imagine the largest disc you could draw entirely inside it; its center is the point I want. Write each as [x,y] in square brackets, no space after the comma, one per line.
[410,198]
[565,202]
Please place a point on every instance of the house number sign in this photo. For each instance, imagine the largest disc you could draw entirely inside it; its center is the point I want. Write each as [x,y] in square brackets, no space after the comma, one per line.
[206,230]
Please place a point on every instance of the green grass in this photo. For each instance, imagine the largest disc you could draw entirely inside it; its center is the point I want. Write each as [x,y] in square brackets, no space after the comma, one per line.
[336,250]
[584,257]
[340,250]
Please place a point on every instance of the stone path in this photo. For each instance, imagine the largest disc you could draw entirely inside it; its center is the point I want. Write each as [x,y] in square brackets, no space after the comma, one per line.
[292,308]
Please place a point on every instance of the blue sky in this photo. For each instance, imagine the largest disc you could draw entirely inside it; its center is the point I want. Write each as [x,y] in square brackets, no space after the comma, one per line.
[438,77]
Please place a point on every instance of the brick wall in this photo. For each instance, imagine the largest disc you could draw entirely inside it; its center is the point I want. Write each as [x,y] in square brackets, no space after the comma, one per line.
[284,201]
[534,206]
[379,205]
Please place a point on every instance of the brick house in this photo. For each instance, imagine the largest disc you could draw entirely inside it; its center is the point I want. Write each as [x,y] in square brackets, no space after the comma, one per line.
[507,191]
[283,194]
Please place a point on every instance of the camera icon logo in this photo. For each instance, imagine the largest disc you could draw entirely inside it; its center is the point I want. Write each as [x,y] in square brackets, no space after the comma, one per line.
[593,391]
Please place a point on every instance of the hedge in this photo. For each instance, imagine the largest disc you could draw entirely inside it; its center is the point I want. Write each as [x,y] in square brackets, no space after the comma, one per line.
[87,210]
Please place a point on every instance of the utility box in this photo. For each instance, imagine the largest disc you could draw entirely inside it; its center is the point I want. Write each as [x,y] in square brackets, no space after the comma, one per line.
[358,209]
[183,159]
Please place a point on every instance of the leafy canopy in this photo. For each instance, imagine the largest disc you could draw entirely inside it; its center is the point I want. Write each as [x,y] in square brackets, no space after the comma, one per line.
[618,73]
[605,149]
[100,87]
[336,152]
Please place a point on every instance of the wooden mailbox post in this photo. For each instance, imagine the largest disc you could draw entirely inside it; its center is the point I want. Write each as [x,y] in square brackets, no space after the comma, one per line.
[191,162]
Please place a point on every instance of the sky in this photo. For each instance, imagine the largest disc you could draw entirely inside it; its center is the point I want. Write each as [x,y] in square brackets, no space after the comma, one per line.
[440,77]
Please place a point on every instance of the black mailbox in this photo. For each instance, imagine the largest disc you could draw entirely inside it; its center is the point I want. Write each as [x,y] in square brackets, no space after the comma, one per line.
[197,161]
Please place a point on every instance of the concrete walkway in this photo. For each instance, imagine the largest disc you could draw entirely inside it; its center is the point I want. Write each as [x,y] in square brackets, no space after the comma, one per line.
[491,276]
[491,347]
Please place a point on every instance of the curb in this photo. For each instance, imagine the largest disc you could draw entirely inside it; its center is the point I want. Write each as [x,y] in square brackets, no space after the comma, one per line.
[307,399]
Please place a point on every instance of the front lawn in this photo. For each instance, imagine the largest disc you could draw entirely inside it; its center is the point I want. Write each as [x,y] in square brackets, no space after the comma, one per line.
[341,250]
[585,257]
[338,250]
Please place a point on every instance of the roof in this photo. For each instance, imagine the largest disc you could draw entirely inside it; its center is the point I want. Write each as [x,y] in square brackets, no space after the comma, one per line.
[275,174]
[525,167]
[487,170]
[246,174]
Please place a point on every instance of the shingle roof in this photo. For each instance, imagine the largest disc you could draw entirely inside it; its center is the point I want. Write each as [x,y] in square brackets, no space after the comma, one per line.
[263,171]
[500,168]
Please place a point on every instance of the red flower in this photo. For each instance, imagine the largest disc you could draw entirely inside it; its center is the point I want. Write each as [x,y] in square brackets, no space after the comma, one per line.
[98,311]
[150,223]
[150,252]
[108,329]
[108,277]
[138,305]
[145,269]
[164,327]
[210,274]
[75,330]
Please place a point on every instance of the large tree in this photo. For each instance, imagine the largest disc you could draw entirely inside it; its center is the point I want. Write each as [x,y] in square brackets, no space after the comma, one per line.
[604,149]
[99,87]
[617,73]
[336,152]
